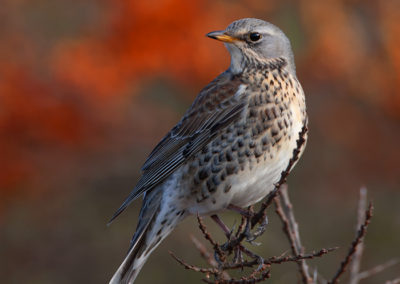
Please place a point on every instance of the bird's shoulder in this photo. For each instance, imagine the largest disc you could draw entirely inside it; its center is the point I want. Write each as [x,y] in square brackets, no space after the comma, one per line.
[217,104]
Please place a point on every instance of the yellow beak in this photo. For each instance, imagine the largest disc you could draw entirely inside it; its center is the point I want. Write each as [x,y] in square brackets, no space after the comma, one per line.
[222,36]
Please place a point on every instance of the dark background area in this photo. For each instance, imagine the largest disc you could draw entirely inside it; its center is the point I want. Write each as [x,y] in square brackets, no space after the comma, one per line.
[87,89]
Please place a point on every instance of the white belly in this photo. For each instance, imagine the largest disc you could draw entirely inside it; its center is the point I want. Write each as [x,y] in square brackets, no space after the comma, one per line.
[252,186]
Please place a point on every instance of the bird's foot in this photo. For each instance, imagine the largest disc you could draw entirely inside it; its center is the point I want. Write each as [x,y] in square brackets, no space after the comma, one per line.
[233,244]
[238,256]
[259,259]
[251,237]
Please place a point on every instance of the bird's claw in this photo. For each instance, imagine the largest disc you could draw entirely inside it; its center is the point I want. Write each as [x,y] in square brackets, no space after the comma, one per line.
[218,259]
[238,257]
[260,262]
[251,237]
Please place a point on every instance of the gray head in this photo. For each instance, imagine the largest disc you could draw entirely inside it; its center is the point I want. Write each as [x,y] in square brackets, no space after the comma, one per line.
[254,40]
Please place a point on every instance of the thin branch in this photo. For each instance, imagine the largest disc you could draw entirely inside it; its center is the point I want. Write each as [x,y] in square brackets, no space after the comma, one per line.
[208,237]
[243,280]
[356,263]
[207,271]
[218,272]
[279,260]
[354,245]
[290,227]
[394,281]
[208,256]
[377,269]
[267,262]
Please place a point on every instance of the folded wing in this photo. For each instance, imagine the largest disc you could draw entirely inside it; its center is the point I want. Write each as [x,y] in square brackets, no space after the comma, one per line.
[218,105]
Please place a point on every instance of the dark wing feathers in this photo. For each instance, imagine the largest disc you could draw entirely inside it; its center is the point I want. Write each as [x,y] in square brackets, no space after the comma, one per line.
[214,108]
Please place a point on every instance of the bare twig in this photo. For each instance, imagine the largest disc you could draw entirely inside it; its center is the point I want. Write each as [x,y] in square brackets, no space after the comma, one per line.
[244,280]
[394,281]
[355,274]
[208,256]
[377,269]
[253,278]
[355,265]
[258,275]
[279,260]
[290,227]
[207,271]
[208,237]
[354,245]
[267,262]
[218,273]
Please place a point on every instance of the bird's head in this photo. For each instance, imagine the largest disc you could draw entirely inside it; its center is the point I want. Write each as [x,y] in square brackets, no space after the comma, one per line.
[252,40]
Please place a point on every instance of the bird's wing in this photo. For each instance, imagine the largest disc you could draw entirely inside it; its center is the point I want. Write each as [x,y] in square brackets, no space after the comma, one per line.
[219,104]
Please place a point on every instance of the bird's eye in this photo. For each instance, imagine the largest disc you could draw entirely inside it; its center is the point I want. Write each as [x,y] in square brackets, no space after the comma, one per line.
[255,37]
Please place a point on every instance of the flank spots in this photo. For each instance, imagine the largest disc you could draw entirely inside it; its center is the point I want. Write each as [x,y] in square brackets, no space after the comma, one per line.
[210,186]
[252,144]
[228,155]
[215,180]
[240,142]
[258,152]
[231,168]
[274,131]
[204,173]
[222,157]
[215,168]
[223,176]
[269,113]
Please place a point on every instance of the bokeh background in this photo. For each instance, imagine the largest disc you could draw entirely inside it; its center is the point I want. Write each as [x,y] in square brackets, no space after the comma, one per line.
[87,88]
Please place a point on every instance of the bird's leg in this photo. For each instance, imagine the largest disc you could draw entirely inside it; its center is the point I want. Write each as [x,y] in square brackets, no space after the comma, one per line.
[222,225]
[248,213]
[238,255]
[239,249]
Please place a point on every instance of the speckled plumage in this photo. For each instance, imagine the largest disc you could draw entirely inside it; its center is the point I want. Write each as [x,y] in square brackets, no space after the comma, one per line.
[231,145]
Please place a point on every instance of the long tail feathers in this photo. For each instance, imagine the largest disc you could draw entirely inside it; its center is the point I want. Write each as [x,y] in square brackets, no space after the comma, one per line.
[156,221]
[132,264]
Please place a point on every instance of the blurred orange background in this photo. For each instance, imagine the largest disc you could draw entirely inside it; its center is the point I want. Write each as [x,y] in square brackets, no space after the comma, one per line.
[87,88]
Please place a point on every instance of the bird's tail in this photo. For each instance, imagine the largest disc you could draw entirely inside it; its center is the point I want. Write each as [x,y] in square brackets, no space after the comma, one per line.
[157,219]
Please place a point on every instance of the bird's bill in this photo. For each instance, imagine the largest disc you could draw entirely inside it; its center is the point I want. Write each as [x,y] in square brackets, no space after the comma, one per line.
[221,36]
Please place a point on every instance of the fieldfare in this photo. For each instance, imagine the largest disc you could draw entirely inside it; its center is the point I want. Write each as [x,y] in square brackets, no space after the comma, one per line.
[231,145]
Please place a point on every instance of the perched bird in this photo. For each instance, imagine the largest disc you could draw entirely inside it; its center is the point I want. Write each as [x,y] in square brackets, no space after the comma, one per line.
[231,145]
